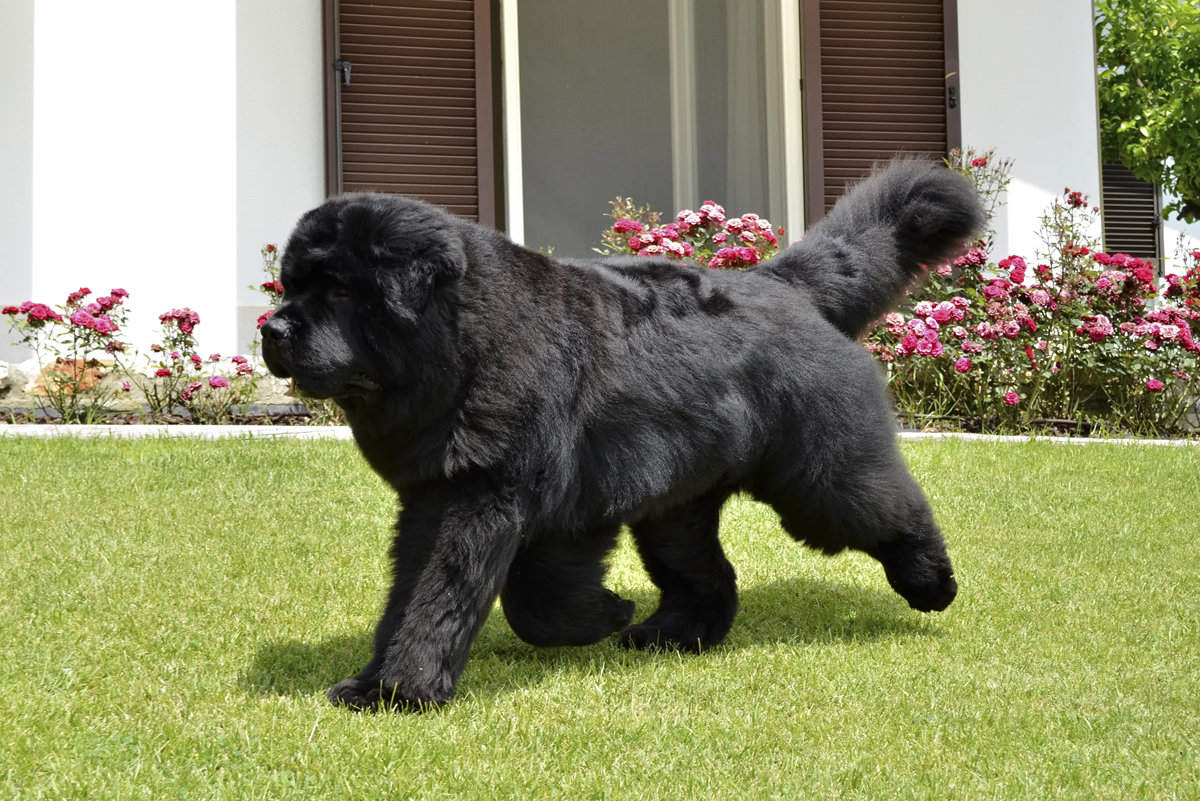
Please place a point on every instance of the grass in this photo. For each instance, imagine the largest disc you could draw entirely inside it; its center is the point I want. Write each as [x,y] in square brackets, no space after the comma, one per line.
[174,610]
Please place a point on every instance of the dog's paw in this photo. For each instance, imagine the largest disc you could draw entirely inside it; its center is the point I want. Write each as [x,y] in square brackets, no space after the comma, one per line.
[931,597]
[651,636]
[362,696]
[355,694]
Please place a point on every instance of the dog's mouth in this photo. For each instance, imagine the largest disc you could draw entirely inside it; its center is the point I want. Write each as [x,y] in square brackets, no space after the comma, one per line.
[362,381]
[355,385]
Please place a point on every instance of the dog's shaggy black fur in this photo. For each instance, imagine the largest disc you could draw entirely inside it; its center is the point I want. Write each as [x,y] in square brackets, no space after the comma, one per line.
[524,408]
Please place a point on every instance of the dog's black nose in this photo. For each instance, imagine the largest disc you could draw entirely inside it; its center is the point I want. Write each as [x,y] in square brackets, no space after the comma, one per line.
[274,330]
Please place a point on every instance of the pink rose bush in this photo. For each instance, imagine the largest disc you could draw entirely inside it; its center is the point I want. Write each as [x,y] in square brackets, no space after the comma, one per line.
[1076,334]
[704,237]
[176,380]
[78,345]
[86,367]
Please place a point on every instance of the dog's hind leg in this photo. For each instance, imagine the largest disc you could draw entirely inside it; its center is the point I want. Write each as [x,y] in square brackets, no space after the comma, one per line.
[683,556]
[873,505]
[554,594]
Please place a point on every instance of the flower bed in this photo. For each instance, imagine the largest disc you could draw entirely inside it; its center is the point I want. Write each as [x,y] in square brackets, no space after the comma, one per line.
[1080,341]
[83,372]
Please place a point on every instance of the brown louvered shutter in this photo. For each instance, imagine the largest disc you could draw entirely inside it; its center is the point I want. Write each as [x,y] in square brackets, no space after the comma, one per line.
[1130,212]
[880,78]
[415,117]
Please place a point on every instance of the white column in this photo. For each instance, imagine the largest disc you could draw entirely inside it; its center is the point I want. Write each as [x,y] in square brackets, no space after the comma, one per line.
[681,24]
[514,192]
[135,158]
[792,120]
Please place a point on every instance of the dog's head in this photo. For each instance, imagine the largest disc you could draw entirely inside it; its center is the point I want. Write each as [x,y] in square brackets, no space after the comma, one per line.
[361,274]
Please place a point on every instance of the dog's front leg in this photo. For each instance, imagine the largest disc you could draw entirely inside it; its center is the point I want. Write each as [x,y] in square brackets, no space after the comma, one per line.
[435,611]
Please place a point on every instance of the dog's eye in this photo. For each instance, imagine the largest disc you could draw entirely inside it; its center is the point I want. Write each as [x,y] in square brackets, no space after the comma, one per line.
[339,292]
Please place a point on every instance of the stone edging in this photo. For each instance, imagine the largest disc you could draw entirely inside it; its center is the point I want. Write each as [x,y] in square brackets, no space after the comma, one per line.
[343,432]
[921,435]
[177,432]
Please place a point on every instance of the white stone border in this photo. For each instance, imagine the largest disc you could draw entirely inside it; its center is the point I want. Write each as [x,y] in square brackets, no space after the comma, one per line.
[175,432]
[922,435]
[343,432]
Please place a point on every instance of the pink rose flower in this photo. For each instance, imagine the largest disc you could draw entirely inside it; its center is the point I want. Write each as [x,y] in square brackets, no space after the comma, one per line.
[217,382]
[83,319]
[1154,385]
[962,365]
[162,372]
[1012,399]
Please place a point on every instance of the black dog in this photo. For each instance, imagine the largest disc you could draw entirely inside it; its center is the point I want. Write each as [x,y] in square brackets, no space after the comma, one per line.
[524,408]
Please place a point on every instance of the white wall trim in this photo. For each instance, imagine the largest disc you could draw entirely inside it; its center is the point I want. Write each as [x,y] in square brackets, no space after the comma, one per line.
[681,24]
[514,189]
[793,119]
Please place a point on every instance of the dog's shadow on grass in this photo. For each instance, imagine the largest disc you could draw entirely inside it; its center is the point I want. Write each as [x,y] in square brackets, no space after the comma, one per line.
[797,611]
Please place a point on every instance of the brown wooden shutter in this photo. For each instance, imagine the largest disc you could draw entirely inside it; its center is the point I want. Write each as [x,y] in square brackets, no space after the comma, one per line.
[1130,210]
[416,116]
[880,78]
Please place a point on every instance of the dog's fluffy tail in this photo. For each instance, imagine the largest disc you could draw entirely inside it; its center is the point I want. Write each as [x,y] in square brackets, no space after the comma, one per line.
[859,260]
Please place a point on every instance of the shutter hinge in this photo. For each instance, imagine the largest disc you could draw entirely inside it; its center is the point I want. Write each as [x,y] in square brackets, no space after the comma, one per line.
[343,66]
[953,96]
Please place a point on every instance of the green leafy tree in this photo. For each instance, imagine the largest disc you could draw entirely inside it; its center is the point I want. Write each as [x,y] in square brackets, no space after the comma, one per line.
[1149,60]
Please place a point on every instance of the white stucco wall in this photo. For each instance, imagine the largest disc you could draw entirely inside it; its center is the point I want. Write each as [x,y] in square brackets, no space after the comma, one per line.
[168,142]
[280,134]
[1173,227]
[16,162]
[134,179]
[1028,90]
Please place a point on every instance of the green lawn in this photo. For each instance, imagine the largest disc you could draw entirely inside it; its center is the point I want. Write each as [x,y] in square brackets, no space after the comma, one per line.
[173,612]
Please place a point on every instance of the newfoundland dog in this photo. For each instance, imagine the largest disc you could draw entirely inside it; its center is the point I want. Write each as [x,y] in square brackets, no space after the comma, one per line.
[526,407]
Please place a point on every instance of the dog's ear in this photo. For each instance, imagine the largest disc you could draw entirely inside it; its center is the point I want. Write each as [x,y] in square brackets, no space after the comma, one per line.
[409,286]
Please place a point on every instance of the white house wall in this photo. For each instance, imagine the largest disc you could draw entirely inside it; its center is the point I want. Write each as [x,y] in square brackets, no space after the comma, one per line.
[16,160]
[1029,90]
[1173,228]
[280,134]
[168,142]
[134,158]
